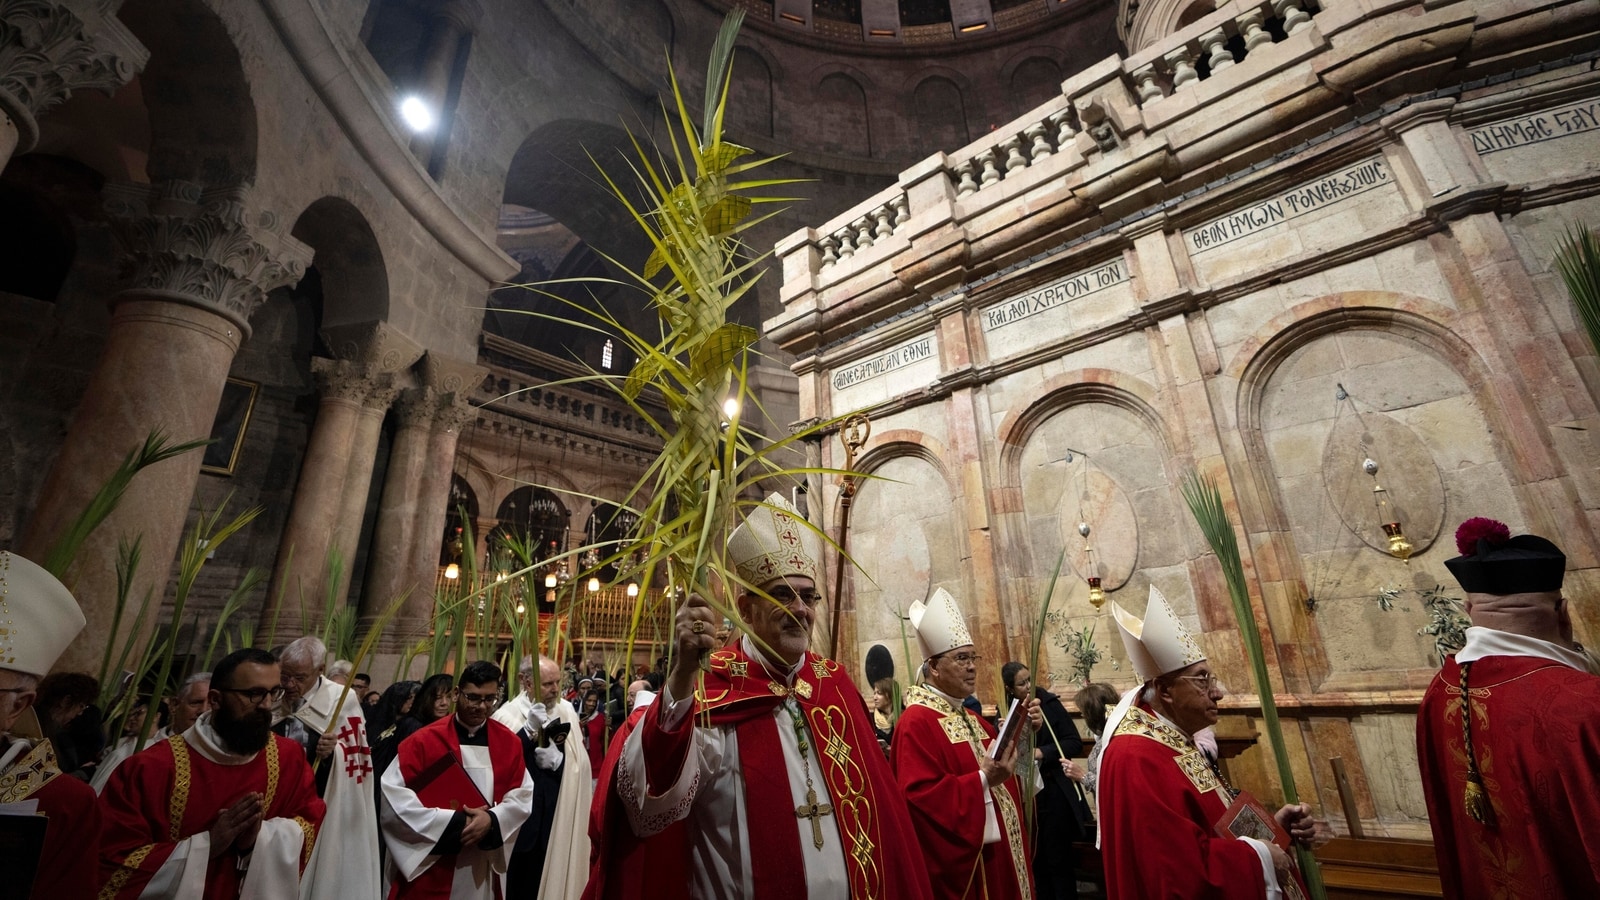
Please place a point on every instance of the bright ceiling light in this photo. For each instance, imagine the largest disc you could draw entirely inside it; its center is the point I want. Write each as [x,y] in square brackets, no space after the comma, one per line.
[417,114]
[730,407]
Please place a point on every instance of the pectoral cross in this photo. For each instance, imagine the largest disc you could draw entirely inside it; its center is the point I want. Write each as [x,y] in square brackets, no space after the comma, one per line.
[813,811]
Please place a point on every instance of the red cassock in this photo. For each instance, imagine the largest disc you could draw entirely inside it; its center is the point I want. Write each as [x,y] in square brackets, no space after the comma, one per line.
[72,826]
[429,761]
[1159,801]
[1536,737]
[170,792]
[934,755]
[879,844]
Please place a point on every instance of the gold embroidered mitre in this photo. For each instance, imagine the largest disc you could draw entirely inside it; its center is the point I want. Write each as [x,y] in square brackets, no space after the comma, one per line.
[38,617]
[1159,643]
[939,624]
[774,542]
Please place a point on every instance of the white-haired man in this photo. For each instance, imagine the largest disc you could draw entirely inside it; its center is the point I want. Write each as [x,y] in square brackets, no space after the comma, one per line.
[40,619]
[183,710]
[766,781]
[1160,798]
[325,717]
[551,858]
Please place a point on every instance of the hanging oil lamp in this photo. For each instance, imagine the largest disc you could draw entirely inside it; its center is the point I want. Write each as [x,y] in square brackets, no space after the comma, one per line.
[1388,519]
[1097,595]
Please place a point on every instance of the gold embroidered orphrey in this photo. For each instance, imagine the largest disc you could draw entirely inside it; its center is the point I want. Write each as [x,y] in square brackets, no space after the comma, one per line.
[1191,762]
[953,719]
[32,771]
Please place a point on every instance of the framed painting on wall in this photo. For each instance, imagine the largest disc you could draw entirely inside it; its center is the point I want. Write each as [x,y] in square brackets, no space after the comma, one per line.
[227,432]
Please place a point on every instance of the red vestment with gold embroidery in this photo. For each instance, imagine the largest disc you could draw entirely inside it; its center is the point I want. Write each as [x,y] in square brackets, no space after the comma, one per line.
[934,755]
[1536,737]
[169,792]
[880,848]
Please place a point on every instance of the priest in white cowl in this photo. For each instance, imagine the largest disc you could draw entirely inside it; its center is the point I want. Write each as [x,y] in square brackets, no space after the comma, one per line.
[325,717]
[551,859]
[38,619]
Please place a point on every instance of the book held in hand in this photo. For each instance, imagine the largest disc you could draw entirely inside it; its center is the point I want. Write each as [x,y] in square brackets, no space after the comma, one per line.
[1008,731]
[1248,818]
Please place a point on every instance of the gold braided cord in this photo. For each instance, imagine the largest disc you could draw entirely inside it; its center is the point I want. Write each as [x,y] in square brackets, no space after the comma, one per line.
[1476,796]
[310,832]
[125,870]
[272,773]
[181,778]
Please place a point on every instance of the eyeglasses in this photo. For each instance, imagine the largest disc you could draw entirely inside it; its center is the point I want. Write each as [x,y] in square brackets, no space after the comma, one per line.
[256,695]
[964,659]
[477,699]
[1207,683]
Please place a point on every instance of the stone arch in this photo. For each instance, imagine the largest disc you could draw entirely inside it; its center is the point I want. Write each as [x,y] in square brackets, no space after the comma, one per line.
[1418,380]
[461,495]
[907,540]
[1033,79]
[750,105]
[348,260]
[847,130]
[1091,385]
[202,117]
[939,113]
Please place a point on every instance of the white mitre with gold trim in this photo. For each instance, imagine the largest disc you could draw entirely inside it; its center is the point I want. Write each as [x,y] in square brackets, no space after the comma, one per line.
[38,616]
[1159,644]
[939,624]
[773,542]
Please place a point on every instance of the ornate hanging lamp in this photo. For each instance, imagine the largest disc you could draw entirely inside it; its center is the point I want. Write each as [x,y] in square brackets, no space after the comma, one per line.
[1097,594]
[1388,518]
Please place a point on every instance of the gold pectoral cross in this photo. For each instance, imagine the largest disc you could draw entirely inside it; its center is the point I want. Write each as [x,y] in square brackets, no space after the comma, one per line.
[814,811]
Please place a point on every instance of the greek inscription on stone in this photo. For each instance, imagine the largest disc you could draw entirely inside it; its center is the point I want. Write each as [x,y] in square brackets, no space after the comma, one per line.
[1319,194]
[1080,284]
[904,355]
[1576,118]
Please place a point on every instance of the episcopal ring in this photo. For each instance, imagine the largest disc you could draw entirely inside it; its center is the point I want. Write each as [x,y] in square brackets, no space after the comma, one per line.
[698,627]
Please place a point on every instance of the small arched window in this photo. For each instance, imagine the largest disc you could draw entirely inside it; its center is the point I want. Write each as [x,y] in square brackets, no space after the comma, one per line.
[605,355]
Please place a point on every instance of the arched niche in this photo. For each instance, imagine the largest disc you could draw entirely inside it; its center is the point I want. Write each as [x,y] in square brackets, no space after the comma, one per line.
[39,195]
[202,117]
[750,107]
[1097,455]
[844,127]
[1428,416]
[536,515]
[907,537]
[1033,82]
[940,110]
[355,282]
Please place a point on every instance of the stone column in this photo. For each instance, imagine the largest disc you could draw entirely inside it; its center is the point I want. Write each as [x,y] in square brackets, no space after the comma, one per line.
[389,567]
[358,476]
[55,47]
[452,414]
[200,264]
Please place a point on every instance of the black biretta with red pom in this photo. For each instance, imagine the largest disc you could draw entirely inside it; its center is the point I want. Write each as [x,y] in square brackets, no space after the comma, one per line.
[1494,562]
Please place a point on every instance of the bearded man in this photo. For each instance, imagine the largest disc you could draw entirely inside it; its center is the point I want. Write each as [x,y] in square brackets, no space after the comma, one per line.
[226,809]
[40,619]
[832,824]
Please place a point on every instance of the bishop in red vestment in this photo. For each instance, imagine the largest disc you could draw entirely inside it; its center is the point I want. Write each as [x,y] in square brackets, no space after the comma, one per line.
[41,610]
[455,798]
[1160,797]
[766,780]
[225,809]
[1508,735]
[966,807]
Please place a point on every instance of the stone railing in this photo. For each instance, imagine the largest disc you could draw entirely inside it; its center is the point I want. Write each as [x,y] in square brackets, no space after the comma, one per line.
[1219,41]
[1085,119]
[562,408]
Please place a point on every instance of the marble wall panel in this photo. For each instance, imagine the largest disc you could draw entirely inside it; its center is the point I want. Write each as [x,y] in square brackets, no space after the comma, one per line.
[1388,747]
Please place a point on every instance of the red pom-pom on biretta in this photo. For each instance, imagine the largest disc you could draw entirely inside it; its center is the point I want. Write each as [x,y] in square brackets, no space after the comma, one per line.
[1480,528]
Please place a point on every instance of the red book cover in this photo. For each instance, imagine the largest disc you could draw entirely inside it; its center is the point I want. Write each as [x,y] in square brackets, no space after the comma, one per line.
[1248,818]
[446,785]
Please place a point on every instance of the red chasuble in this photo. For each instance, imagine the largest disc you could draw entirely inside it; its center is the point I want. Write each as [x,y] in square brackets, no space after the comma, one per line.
[72,829]
[879,845]
[1536,737]
[169,792]
[624,867]
[430,762]
[1159,801]
[934,754]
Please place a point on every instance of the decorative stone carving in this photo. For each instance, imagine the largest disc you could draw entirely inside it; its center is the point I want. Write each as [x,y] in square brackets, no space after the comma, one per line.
[1144,79]
[353,381]
[374,343]
[50,48]
[203,246]
[1181,62]
[416,407]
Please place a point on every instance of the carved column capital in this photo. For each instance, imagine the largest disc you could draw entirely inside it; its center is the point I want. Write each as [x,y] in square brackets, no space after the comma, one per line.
[50,48]
[416,407]
[205,247]
[353,382]
[454,412]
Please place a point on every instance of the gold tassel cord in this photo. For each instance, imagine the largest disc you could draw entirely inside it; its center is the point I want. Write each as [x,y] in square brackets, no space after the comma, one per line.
[1476,799]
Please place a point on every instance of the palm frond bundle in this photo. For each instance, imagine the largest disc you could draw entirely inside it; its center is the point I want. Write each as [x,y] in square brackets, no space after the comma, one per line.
[1578,259]
[1204,499]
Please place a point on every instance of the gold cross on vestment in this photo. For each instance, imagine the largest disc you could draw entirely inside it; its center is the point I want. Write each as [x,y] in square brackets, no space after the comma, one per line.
[813,811]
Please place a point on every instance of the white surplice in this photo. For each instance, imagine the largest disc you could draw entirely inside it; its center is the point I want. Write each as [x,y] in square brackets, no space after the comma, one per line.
[344,861]
[411,829]
[274,862]
[709,792]
[118,754]
[566,858]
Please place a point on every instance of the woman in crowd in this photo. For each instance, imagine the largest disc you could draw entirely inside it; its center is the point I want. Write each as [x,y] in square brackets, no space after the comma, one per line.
[1060,807]
[883,710]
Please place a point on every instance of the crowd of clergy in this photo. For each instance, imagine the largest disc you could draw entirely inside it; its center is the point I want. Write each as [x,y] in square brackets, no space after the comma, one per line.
[749,766]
